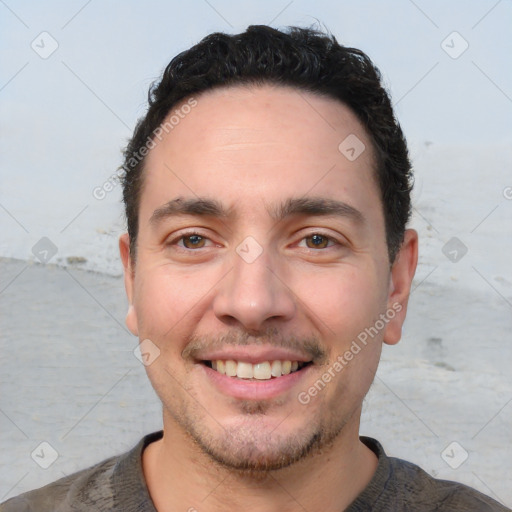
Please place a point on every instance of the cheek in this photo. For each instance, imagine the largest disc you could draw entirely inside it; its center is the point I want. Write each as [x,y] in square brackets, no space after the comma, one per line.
[346,301]
[166,302]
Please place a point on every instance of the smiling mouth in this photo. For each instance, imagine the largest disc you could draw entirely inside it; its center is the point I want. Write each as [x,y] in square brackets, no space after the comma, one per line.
[265,370]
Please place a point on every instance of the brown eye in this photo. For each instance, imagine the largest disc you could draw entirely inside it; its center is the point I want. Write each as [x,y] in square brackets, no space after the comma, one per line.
[317,241]
[194,241]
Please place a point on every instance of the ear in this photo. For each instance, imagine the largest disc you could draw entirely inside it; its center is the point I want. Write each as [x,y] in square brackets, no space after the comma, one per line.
[402,274]
[129,276]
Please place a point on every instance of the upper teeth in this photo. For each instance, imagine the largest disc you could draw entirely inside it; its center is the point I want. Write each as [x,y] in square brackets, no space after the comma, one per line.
[261,371]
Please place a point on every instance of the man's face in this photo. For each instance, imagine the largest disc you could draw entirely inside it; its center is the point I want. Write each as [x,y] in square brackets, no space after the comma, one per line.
[252,289]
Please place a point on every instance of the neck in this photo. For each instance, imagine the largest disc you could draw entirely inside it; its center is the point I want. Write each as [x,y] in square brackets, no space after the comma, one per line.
[180,476]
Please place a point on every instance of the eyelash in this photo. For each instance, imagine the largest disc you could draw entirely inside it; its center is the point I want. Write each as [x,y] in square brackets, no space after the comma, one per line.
[192,233]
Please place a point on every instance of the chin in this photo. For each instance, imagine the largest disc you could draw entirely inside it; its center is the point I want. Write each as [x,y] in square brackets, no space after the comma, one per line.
[259,455]
[253,447]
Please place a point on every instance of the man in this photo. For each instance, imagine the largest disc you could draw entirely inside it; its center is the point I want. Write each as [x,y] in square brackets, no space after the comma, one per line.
[267,192]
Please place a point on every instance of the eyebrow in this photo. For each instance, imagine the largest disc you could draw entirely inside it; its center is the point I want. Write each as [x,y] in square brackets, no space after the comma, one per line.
[308,206]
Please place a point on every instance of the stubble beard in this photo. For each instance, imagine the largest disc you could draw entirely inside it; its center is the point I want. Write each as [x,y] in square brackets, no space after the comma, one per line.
[248,449]
[250,452]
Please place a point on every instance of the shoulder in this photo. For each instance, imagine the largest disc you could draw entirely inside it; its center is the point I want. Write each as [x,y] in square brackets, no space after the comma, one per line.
[429,493]
[399,485]
[79,491]
[116,483]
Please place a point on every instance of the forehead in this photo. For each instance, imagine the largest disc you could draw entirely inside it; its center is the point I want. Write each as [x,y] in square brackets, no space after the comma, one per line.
[253,147]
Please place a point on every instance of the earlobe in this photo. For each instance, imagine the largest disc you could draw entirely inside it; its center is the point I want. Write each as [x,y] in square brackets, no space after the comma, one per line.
[131,320]
[402,274]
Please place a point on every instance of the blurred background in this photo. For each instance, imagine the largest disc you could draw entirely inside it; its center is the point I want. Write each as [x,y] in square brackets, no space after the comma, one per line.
[74,77]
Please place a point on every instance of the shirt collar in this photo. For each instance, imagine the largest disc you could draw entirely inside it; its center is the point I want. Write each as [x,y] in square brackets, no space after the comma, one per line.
[131,492]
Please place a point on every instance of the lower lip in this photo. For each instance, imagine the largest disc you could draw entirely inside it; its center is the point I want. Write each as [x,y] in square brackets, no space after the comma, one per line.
[246,389]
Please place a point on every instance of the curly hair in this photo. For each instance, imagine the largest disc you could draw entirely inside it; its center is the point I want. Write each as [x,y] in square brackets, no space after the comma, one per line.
[304,58]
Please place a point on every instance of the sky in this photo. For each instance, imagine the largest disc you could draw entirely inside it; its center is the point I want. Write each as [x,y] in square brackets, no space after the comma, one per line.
[74,77]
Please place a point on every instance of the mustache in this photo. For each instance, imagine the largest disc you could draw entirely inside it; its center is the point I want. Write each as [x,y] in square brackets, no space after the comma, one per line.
[308,345]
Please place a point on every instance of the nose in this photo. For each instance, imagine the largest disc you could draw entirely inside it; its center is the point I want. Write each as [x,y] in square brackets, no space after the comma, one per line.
[253,293]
